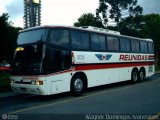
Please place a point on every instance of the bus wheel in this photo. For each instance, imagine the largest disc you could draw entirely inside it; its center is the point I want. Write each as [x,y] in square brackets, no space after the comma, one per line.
[77,85]
[141,75]
[134,76]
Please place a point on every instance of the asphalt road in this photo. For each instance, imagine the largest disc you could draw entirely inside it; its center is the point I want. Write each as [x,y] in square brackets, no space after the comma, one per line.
[120,100]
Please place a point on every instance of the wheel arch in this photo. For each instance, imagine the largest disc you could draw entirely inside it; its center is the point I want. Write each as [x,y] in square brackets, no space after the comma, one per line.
[132,79]
[83,75]
[143,68]
[135,68]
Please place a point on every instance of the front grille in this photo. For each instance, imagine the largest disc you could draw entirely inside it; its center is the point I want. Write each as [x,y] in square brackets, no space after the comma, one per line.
[22,82]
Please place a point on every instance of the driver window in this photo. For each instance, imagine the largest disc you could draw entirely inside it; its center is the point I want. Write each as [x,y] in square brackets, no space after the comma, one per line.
[53,60]
[66,59]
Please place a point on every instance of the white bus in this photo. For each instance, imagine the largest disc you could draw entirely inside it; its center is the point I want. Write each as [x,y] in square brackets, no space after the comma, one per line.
[55,59]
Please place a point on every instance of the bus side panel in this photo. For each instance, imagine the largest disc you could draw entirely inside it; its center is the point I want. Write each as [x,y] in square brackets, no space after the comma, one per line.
[66,81]
[92,78]
[108,76]
[121,74]
[150,70]
[55,84]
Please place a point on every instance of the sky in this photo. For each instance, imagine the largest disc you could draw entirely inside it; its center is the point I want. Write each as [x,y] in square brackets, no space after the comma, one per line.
[64,12]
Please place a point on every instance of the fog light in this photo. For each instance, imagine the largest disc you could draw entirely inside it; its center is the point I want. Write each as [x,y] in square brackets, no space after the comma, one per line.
[33,82]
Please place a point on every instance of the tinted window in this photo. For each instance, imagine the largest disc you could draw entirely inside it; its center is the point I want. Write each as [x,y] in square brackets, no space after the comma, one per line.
[135,45]
[116,44]
[59,37]
[28,59]
[102,42]
[95,42]
[80,40]
[85,40]
[66,56]
[76,40]
[150,47]
[98,42]
[53,60]
[112,43]
[125,44]
[143,46]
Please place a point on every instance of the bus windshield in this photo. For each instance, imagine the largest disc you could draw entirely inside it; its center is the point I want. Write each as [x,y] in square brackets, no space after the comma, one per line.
[30,36]
[28,59]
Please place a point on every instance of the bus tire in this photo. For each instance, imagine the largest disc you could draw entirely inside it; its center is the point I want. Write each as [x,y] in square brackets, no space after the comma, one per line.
[134,76]
[142,75]
[77,85]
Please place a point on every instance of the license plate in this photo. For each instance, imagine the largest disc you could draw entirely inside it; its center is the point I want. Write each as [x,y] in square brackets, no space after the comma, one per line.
[24,89]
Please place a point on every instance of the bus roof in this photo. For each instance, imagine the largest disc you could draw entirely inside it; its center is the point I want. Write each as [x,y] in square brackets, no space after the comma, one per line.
[90,29]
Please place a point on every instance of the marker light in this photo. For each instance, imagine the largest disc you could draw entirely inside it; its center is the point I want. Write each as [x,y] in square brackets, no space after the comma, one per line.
[19,49]
[36,1]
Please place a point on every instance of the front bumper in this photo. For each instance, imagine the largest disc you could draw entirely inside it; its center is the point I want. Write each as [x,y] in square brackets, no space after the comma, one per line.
[28,89]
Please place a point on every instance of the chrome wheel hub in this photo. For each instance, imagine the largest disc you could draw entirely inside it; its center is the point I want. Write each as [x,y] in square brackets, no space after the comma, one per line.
[78,84]
[135,76]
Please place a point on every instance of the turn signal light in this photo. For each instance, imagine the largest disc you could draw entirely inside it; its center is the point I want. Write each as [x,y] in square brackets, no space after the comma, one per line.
[37,82]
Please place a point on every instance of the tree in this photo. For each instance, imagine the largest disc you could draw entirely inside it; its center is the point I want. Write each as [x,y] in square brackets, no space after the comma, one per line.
[132,26]
[144,26]
[152,30]
[115,9]
[88,19]
[8,36]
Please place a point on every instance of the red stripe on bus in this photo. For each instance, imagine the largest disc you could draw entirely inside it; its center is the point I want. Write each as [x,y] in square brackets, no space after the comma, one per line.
[96,66]
[151,56]
[101,66]
[111,65]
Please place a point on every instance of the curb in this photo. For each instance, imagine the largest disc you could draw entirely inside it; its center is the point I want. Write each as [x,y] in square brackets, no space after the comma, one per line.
[157,72]
[8,95]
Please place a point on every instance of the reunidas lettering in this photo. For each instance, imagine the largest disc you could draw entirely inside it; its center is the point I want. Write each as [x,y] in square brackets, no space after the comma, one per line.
[124,57]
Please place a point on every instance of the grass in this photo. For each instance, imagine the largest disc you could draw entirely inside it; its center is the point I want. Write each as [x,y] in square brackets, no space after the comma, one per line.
[157,68]
[4,83]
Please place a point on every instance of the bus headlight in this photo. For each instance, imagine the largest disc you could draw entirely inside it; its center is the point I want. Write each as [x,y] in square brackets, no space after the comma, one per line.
[12,81]
[37,82]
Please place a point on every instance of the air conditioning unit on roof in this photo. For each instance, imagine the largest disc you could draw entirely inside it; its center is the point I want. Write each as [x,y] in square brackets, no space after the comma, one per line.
[100,29]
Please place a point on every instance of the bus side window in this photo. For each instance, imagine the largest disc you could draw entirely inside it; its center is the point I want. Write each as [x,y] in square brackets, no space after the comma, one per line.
[110,43]
[116,44]
[85,40]
[102,43]
[53,60]
[80,40]
[143,47]
[95,42]
[150,47]
[76,40]
[125,45]
[135,46]
[66,57]
[98,42]
[59,37]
